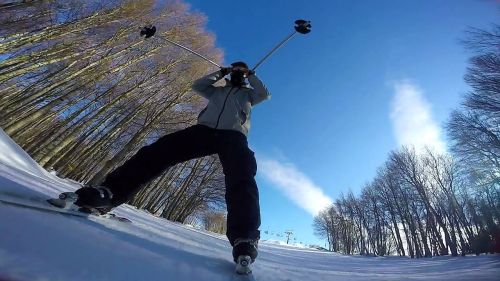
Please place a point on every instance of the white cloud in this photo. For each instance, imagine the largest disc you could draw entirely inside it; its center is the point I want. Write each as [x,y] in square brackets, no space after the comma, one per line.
[412,119]
[294,184]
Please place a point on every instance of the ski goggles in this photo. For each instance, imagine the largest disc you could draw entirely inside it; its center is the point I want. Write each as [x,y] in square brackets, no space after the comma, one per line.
[240,68]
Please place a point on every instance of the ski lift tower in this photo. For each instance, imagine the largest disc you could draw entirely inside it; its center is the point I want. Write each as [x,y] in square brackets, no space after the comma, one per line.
[288,234]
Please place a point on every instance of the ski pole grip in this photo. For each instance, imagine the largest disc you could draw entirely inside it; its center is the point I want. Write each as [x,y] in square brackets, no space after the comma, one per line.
[303,26]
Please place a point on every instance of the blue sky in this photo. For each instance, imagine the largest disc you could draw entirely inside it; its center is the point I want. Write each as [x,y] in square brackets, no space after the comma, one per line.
[371,75]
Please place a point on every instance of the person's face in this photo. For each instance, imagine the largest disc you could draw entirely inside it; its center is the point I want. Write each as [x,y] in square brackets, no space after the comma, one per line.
[240,69]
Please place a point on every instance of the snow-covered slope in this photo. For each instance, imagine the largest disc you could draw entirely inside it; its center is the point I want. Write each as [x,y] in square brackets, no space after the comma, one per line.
[37,245]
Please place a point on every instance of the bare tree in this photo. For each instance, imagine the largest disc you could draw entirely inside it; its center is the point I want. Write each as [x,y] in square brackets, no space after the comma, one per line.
[425,204]
[215,221]
[81,91]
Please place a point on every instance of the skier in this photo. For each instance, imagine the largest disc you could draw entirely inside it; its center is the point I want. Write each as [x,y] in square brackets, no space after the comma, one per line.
[222,128]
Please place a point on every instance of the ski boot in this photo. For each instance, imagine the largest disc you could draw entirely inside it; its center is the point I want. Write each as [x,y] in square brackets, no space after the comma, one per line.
[244,254]
[88,199]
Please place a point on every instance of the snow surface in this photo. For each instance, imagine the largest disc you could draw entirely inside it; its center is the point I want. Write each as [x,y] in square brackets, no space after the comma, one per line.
[36,245]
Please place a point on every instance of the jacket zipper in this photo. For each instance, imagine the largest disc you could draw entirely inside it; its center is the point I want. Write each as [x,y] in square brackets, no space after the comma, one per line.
[224,106]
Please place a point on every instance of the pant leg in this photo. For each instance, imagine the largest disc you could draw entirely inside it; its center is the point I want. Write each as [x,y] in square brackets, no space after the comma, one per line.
[150,161]
[242,195]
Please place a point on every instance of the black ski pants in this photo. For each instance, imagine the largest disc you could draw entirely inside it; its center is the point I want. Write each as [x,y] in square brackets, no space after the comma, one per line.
[238,162]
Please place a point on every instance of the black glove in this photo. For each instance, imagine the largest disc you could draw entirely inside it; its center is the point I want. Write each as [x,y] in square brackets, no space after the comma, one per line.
[225,70]
[251,72]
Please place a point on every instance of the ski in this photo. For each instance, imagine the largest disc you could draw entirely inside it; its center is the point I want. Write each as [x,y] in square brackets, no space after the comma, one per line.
[44,205]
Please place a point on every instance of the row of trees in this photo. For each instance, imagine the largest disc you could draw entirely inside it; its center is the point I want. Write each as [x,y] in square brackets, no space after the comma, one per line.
[419,204]
[81,91]
[424,204]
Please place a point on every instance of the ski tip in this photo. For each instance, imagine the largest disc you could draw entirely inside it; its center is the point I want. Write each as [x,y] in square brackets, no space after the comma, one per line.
[57,203]
[243,265]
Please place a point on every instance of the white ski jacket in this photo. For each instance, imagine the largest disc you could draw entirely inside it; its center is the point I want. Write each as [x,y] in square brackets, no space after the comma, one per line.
[229,107]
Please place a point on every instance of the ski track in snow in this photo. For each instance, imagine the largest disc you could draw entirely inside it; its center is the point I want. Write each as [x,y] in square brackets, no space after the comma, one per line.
[36,245]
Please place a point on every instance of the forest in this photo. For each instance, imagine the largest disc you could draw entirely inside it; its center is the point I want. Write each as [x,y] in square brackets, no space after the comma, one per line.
[425,203]
[81,91]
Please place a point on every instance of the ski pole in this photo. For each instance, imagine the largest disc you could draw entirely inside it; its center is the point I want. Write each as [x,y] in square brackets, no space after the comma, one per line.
[150,30]
[301,26]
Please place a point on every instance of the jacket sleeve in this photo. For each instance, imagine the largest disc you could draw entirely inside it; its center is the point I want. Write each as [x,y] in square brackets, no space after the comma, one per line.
[260,92]
[204,86]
